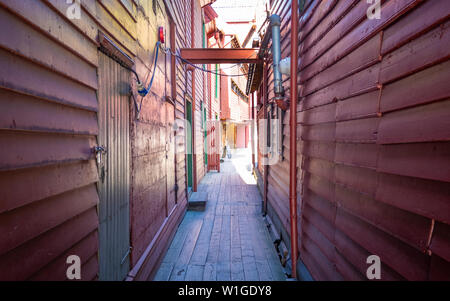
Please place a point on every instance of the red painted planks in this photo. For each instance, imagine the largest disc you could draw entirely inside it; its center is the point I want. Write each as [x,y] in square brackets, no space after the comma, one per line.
[320,186]
[327,70]
[410,228]
[320,132]
[420,88]
[357,256]
[22,150]
[419,124]
[373,125]
[21,187]
[363,180]
[427,50]
[318,149]
[440,243]
[318,167]
[43,216]
[439,269]
[424,197]
[410,263]
[363,155]
[421,160]
[26,77]
[321,205]
[357,131]
[354,85]
[423,17]
[24,261]
[323,114]
[56,270]
[30,43]
[23,112]
[361,106]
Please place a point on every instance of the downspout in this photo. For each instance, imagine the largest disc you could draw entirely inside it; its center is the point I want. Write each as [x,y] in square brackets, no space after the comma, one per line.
[275,24]
[209,87]
[194,155]
[293,137]
[253,129]
[266,166]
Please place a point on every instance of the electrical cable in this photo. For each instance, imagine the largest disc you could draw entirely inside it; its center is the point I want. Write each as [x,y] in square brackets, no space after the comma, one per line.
[208,71]
[141,88]
[142,91]
[169,51]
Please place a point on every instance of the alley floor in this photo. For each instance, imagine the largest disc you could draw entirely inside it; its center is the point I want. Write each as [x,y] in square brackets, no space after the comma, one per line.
[229,241]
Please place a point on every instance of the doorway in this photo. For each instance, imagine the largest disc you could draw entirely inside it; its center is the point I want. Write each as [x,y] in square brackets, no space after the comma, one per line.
[113,158]
[189,144]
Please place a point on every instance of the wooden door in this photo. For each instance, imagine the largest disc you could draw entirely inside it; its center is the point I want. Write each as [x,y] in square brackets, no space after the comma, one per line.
[214,147]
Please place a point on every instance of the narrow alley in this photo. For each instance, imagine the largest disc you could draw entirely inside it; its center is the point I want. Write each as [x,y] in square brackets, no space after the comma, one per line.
[224,140]
[229,240]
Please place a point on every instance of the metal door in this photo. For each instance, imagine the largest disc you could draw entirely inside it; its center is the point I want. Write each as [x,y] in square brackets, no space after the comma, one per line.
[170,92]
[170,158]
[189,144]
[114,166]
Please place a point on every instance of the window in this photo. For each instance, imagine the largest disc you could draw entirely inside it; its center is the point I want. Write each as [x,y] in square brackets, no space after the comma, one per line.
[235,88]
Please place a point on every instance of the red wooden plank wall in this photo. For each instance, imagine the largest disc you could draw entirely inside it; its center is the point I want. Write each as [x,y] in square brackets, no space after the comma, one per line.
[374,139]
[48,124]
[48,128]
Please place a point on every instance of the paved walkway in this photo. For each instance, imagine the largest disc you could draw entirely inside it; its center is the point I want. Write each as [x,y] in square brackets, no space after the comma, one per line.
[229,241]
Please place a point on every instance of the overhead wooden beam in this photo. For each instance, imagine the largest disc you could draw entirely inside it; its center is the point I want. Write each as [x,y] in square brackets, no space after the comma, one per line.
[220,55]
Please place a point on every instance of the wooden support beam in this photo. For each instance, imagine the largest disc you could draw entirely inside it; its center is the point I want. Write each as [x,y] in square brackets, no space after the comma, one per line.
[220,55]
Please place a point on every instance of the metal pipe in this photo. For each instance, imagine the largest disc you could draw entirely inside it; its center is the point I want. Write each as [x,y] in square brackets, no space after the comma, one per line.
[194,152]
[266,166]
[275,23]
[293,137]
[253,129]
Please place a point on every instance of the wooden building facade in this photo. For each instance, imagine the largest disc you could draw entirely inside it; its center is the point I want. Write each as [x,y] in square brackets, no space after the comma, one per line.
[373,139]
[87,166]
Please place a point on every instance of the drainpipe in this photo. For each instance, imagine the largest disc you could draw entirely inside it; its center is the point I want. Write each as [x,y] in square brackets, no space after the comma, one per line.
[293,137]
[252,132]
[194,152]
[266,166]
[275,24]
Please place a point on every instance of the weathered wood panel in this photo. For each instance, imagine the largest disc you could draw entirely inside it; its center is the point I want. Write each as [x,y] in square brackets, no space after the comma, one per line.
[48,128]
[373,131]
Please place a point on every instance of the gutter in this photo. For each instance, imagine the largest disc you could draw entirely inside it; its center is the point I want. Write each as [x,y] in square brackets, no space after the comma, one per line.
[293,138]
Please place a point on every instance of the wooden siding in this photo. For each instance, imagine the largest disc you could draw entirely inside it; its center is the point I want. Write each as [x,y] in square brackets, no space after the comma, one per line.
[48,128]
[201,100]
[373,139]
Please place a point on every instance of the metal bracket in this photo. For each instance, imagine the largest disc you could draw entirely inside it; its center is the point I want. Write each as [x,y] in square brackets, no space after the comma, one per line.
[126,255]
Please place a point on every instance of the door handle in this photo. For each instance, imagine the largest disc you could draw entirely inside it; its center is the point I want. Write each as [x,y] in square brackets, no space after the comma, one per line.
[99,151]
